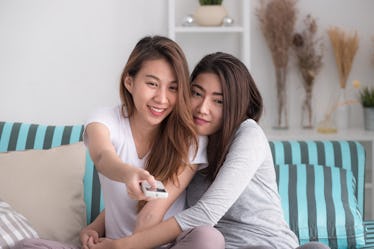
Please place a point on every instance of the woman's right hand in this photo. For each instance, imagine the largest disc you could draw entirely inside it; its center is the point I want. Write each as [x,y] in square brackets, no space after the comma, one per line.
[134,177]
[86,234]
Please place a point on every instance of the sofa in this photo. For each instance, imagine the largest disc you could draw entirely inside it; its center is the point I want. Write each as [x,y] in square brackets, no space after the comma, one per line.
[49,186]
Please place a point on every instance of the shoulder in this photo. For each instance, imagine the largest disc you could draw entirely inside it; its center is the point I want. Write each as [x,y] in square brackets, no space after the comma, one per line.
[249,137]
[250,129]
[108,116]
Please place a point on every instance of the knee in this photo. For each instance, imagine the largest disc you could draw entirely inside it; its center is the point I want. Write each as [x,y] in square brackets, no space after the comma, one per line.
[208,237]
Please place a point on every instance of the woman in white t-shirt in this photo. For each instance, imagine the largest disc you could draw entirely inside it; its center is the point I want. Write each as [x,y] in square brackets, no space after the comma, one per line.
[151,135]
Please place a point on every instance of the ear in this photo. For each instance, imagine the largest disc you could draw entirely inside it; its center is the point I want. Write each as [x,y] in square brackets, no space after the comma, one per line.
[129,83]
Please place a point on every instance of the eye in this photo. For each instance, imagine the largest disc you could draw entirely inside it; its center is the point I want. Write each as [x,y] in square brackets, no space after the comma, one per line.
[219,101]
[174,88]
[152,84]
[195,93]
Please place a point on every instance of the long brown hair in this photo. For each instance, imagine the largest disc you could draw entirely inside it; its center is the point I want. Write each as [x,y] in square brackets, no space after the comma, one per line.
[170,148]
[241,100]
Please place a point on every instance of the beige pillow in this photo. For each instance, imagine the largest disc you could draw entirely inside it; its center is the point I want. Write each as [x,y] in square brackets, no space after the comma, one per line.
[46,186]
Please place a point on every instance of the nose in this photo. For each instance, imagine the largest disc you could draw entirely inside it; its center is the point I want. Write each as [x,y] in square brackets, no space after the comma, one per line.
[203,107]
[161,95]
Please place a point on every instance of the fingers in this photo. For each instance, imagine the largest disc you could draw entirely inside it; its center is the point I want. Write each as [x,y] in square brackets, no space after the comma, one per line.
[90,242]
[150,179]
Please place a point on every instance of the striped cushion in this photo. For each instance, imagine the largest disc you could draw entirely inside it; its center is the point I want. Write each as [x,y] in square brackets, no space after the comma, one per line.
[23,136]
[349,155]
[319,204]
[14,227]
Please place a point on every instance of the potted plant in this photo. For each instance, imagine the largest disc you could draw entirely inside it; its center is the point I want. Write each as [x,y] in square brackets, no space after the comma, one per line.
[210,13]
[367,101]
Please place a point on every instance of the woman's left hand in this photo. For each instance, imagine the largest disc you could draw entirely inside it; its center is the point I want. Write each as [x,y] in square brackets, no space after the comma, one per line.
[103,243]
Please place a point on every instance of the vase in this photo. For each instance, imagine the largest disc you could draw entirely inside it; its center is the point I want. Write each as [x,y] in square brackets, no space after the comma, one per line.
[210,15]
[281,121]
[369,118]
[341,110]
[307,115]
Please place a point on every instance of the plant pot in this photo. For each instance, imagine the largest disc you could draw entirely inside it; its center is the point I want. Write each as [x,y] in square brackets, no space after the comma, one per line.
[210,15]
[369,118]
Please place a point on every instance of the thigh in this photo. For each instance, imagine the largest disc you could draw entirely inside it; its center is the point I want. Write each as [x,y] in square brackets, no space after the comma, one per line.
[42,244]
[313,245]
[202,237]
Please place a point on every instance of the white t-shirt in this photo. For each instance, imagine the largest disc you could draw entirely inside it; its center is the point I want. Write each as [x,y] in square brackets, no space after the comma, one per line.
[120,210]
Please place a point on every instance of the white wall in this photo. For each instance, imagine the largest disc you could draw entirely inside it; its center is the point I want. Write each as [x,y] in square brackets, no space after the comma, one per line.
[61,59]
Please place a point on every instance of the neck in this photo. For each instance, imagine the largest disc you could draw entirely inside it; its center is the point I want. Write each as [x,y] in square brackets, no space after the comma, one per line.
[143,136]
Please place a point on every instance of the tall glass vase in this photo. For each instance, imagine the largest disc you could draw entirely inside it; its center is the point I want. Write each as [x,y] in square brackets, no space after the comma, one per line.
[307,115]
[281,121]
[341,111]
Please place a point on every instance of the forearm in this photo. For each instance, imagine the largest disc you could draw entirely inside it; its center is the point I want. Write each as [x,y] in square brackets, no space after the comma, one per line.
[163,233]
[147,218]
[98,224]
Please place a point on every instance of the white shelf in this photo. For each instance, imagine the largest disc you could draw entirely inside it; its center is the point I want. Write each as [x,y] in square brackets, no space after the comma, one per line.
[242,28]
[199,29]
[294,134]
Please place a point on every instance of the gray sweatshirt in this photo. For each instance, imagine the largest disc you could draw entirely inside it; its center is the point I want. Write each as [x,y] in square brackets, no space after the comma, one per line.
[242,202]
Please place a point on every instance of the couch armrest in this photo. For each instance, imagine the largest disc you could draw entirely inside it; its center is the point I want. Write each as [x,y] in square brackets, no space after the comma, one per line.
[369,233]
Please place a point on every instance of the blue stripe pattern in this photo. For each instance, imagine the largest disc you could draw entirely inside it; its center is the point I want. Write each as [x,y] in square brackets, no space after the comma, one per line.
[342,235]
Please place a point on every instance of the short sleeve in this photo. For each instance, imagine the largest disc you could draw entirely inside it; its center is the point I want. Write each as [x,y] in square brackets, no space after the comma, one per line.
[201,156]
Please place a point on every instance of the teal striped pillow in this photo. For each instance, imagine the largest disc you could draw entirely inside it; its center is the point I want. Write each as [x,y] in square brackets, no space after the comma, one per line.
[319,204]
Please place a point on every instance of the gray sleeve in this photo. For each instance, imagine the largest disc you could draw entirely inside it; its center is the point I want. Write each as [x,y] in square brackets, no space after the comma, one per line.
[246,154]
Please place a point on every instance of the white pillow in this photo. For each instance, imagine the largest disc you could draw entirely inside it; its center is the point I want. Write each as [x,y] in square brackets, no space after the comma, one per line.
[14,226]
[46,186]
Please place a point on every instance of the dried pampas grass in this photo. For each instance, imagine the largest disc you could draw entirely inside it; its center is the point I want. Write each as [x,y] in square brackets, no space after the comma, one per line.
[277,19]
[309,53]
[345,47]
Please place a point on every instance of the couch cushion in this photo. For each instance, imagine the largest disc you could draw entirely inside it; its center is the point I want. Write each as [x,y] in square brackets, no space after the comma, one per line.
[46,186]
[349,155]
[15,136]
[324,207]
[14,226]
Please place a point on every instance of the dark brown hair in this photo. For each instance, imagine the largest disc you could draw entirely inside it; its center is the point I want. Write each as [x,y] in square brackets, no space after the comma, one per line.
[241,100]
[170,149]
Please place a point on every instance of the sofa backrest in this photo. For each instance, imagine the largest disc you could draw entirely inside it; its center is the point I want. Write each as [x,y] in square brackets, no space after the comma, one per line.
[294,160]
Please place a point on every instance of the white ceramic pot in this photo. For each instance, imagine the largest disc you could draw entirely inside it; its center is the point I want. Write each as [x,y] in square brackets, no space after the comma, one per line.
[210,15]
[369,118]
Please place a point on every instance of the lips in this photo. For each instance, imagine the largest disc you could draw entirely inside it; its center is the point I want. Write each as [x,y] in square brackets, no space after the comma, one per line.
[200,121]
[157,111]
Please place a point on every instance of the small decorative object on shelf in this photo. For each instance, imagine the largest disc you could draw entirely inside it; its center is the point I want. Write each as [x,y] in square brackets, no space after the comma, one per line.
[367,101]
[210,13]
[188,21]
[309,53]
[227,21]
[345,47]
[331,118]
[277,20]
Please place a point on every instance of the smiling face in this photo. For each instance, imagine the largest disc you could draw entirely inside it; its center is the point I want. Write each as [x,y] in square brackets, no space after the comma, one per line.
[154,91]
[207,103]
